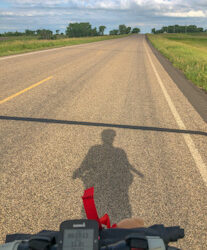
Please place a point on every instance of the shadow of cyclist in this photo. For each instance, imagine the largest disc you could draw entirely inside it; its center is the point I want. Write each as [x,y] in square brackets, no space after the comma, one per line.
[107,169]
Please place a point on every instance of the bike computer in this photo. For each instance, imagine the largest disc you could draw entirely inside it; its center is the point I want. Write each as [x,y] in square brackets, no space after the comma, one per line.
[78,235]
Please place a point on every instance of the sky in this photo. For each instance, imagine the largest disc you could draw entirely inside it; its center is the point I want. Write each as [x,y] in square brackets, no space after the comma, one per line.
[57,14]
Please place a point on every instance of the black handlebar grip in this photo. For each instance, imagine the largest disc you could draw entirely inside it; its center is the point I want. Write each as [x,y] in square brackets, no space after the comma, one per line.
[174,233]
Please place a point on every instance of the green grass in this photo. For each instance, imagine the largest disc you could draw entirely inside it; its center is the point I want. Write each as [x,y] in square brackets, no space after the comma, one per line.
[16,45]
[187,52]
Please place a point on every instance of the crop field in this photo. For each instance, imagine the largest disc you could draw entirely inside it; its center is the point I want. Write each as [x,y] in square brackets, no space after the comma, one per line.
[16,45]
[187,52]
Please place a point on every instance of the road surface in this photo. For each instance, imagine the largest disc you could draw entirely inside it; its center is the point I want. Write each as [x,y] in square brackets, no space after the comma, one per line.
[107,115]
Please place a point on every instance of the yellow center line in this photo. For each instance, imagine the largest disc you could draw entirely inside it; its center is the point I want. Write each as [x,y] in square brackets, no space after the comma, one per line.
[24,90]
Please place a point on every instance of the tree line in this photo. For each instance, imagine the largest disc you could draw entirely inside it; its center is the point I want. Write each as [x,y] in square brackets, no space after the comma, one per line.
[123,29]
[40,33]
[178,29]
[83,29]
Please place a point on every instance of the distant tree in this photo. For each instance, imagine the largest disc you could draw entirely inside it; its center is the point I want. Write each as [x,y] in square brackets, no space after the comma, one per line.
[200,29]
[114,32]
[128,29]
[101,29]
[153,31]
[29,32]
[191,28]
[165,29]
[94,32]
[122,29]
[178,29]
[45,34]
[57,32]
[38,32]
[170,29]
[17,33]
[78,30]
[136,30]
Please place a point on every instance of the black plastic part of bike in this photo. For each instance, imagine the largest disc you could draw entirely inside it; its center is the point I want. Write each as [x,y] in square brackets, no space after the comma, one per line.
[136,241]
[121,245]
[41,242]
[23,246]
[168,234]
[48,239]
[12,237]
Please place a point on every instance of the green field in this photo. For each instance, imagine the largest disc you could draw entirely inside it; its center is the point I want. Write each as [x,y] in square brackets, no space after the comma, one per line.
[16,45]
[187,52]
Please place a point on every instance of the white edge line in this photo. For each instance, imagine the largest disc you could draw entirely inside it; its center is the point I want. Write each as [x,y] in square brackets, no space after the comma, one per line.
[189,142]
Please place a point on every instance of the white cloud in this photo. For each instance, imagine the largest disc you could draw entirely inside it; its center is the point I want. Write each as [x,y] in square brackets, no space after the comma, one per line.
[162,5]
[191,13]
[33,13]
[37,2]
[142,13]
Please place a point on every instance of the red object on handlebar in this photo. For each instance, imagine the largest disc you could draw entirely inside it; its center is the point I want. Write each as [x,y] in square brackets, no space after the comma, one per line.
[91,212]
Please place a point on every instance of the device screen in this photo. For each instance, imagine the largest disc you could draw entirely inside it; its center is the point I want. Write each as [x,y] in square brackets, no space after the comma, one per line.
[78,239]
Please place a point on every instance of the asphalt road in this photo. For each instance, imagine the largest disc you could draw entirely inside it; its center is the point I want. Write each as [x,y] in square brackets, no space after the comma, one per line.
[109,117]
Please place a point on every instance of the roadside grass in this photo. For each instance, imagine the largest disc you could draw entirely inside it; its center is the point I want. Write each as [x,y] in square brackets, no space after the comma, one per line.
[187,52]
[18,45]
